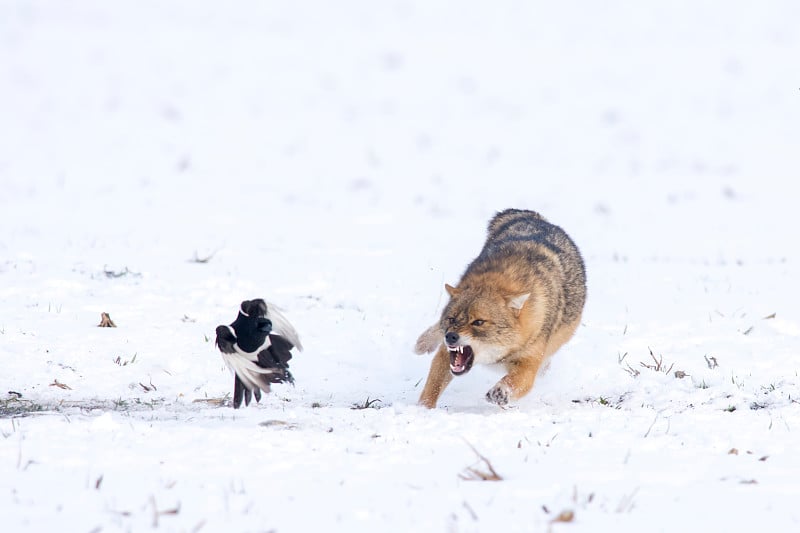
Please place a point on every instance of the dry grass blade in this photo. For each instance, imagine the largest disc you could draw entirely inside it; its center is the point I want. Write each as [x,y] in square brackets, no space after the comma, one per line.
[630,370]
[105,321]
[113,274]
[658,363]
[279,424]
[157,513]
[470,510]
[565,516]
[203,260]
[60,385]
[219,402]
[626,503]
[368,404]
[475,473]
[647,434]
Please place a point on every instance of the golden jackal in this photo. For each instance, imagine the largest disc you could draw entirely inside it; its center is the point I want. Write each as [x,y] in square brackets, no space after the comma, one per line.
[517,303]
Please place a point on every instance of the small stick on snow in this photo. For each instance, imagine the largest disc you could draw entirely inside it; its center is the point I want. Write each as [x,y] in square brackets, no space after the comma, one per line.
[105,321]
[472,473]
[60,385]
[651,425]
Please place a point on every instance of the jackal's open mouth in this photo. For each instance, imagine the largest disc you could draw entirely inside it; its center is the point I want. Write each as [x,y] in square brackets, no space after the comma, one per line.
[461,359]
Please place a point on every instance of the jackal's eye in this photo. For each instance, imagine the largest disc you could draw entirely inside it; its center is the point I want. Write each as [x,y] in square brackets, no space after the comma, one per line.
[478,323]
[451,320]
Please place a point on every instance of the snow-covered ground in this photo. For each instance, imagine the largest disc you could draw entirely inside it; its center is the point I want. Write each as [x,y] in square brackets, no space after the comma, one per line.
[342,159]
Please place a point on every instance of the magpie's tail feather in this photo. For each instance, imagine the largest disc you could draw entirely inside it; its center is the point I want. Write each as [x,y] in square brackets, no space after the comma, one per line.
[244,392]
[238,392]
[250,378]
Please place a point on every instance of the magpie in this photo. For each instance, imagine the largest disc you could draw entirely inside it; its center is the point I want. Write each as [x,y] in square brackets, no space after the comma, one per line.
[255,354]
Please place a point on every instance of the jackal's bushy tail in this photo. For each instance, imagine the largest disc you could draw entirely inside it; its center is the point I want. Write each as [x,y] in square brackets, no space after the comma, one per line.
[430,339]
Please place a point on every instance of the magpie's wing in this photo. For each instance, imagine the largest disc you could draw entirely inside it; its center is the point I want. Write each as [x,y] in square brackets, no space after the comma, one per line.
[226,340]
[280,372]
[282,326]
[250,375]
[277,357]
[280,375]
[281,349]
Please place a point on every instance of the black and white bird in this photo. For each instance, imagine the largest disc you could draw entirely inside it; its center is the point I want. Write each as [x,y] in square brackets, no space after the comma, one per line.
[255,354]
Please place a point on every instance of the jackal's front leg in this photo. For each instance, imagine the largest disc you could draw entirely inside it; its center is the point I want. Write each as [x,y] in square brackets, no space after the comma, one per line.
[517,383]
[439,377]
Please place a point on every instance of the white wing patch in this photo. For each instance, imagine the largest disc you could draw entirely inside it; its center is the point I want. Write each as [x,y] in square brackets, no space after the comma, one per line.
[282,326]
[243,364]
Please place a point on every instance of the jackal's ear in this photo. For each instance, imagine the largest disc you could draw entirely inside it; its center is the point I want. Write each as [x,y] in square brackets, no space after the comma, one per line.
[516,302]
[452,291]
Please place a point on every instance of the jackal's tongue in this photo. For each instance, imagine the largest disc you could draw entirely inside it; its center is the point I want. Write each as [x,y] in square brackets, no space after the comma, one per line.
[459,359]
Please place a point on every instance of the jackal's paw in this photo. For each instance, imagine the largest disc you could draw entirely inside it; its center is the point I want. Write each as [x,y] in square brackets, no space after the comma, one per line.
[499,394]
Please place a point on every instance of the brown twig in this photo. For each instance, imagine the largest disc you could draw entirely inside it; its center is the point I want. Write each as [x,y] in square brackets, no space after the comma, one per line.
[105,321]
[203,260]
[368,404]
[658,365]
[473,473]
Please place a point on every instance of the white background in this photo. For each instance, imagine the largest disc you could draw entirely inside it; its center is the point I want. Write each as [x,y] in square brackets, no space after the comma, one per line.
[342,159]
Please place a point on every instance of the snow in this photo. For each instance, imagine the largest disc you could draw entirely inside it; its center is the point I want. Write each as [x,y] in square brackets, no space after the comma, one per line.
[342,160]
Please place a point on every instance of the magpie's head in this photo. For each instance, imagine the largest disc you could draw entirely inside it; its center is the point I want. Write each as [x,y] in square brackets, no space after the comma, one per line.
[254,308]
[256,312]
[252,325]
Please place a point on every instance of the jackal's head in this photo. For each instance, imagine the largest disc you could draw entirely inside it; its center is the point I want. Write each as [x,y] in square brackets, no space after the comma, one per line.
[480,324]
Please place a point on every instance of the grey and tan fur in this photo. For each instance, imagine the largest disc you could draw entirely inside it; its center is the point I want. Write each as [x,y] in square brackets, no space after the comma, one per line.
[517,303]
